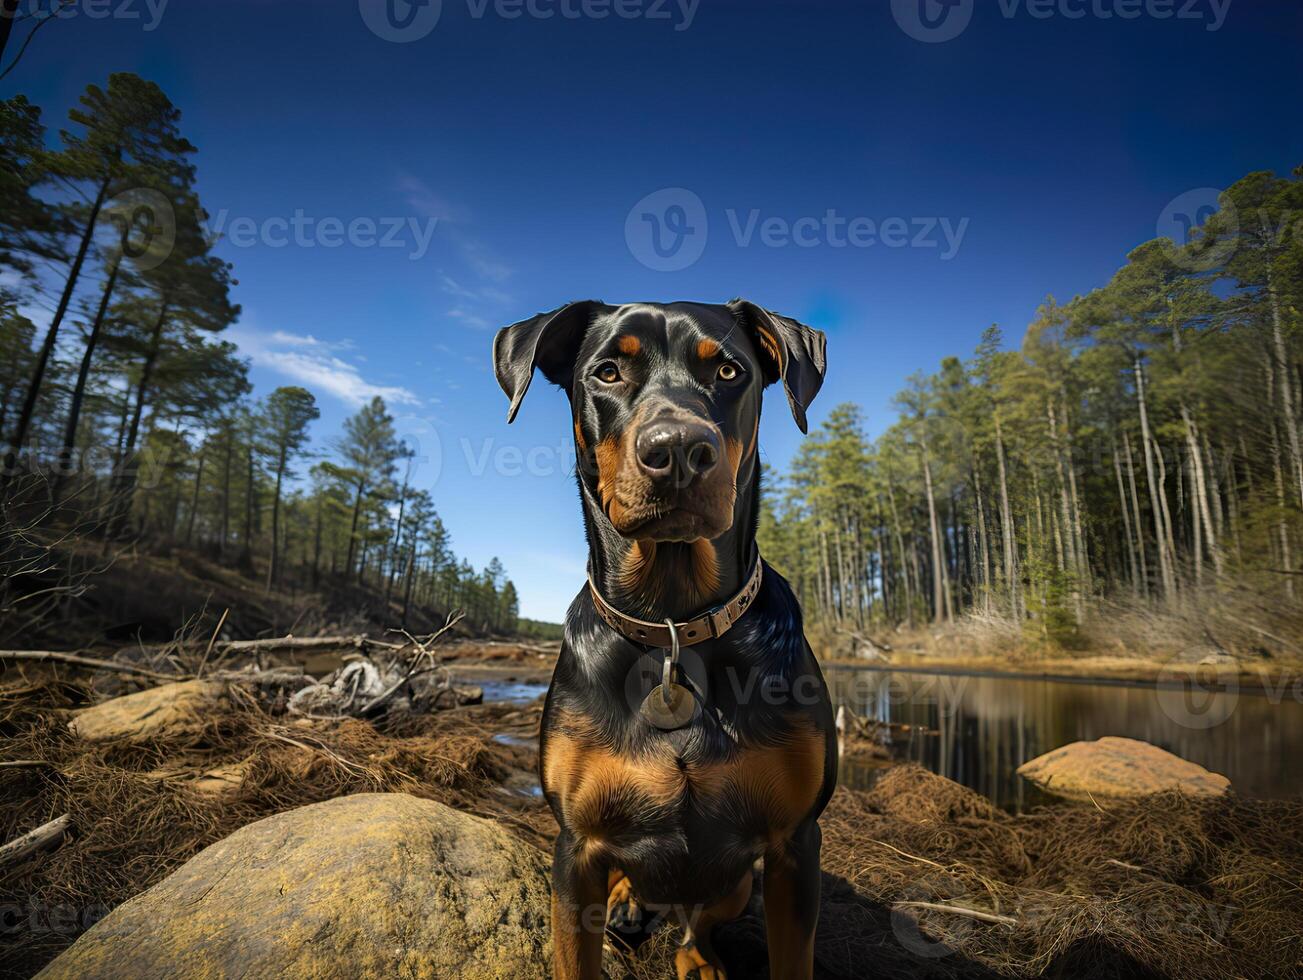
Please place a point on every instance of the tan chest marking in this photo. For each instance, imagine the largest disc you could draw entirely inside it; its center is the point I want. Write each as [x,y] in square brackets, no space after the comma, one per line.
[602,792]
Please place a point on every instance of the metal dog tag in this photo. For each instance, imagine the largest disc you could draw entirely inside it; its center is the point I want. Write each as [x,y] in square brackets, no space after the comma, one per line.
[669,712]
[670,705]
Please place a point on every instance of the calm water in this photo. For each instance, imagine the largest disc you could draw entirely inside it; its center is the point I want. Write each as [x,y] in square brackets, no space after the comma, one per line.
[977,730]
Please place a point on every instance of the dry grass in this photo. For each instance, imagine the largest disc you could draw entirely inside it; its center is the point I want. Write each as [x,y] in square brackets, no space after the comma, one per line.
[133,827]
[922,878]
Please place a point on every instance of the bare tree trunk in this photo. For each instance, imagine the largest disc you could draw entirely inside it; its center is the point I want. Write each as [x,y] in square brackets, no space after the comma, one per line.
[352,533]
[273,561]
[1131,544]
[1165,557]
[1011,575]
[69,448]
[407,592]
[1287,401]
[1282,526]
[1069,560]
[983,544]
[902,555]
[1135,510]
[194,497]
[226,491]
[52,333]
[940,594]
[126,465]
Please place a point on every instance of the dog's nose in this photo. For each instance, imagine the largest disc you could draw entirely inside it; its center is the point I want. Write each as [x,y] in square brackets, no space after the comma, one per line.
[678,448]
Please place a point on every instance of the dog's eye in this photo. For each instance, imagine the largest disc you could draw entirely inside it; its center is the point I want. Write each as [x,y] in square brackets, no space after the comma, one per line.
[608,373]
[729,371]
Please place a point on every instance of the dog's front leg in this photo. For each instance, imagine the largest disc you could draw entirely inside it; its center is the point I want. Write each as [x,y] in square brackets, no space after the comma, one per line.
[792,903]
[578,912]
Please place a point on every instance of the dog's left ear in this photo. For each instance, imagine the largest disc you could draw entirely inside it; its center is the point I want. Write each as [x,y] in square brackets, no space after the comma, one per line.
[793,352]
[548,341]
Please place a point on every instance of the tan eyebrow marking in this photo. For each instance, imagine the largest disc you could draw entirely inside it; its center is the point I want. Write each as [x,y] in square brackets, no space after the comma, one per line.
[629,344]
[706,349]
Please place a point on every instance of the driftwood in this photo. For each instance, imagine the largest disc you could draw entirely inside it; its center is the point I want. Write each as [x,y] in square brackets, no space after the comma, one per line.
[227,647]
[879,649]
[376,676]
[54,656]
[1004,920]
[303,643]
[35,840]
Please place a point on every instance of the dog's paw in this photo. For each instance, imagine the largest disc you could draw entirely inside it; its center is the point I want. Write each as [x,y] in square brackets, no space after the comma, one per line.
[626,920]
[691,965]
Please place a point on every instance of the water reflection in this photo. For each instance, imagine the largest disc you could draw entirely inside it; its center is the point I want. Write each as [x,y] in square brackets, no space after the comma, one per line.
[977,730]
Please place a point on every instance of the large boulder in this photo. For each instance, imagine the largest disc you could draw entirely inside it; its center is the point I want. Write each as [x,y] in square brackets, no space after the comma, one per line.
[167,711]
[373,885]
[1114,767]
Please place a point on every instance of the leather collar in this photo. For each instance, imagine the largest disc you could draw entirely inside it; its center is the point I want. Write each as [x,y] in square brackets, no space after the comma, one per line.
[713,623]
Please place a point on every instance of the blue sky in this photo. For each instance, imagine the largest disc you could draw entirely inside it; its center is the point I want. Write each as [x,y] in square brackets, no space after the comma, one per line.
[899,193]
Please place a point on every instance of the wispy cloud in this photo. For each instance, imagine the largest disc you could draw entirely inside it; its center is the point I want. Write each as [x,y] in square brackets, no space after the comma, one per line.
[453,224]
[469,318]
[315,364]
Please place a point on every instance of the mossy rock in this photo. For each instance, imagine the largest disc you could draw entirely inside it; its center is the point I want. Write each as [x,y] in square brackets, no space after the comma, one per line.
[372,885]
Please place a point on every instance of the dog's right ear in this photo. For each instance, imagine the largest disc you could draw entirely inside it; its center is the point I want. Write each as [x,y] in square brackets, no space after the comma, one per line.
[548,341]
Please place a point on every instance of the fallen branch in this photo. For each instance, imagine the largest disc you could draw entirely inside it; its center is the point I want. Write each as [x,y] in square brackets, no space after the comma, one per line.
[868,641]
[35,840]
[53,656]
[211,640]
[297,643]
[1003,920]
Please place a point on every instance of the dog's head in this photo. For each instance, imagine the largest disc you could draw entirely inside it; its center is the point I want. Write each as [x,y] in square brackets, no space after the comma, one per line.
[666,401]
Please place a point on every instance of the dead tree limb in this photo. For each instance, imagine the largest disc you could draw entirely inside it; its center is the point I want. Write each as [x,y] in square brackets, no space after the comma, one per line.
[1003,920]
[54,656]
[34,840]
[358,642]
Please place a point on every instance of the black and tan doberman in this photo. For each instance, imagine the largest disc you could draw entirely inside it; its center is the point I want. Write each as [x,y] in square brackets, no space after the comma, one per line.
[687,731]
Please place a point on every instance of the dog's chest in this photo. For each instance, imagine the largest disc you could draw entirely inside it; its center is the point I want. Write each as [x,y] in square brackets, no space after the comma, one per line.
[680,786]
